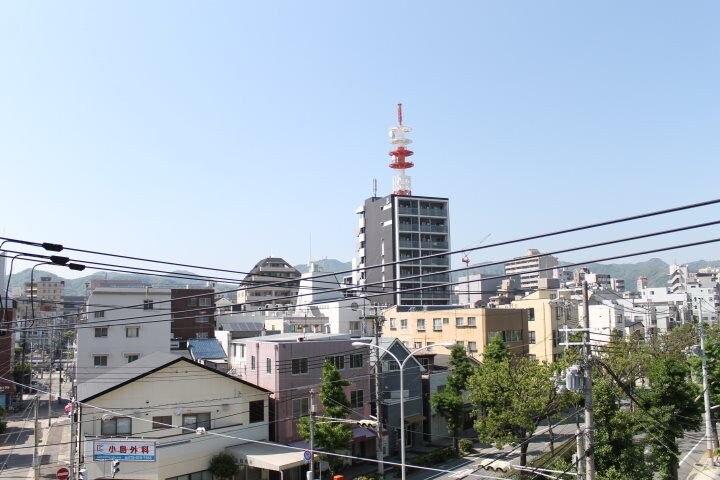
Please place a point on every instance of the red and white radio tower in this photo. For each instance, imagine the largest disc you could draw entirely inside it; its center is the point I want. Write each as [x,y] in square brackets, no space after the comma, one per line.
[401,182]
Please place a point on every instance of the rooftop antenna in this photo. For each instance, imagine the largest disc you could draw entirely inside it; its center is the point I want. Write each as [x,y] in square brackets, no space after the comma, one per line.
[374,188]
[401,181]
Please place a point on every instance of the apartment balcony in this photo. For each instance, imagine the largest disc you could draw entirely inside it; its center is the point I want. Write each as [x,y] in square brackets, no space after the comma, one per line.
[407,210]
[435,245]
[408,244]
[434,228]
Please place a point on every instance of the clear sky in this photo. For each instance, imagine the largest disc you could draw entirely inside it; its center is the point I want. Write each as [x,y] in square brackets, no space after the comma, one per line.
[218,133]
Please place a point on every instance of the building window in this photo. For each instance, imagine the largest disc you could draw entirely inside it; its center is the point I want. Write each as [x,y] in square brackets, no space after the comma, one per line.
[337,360]
[116,426]
[252,362]
[471,322]
[299,366]
[100,360]
[446,321]
[132,332]
[147,304]
[393,325]
[437,324]
[131,357]
[403,324]
[257,411]
[472,347]
[99,314]
[192,302]
[356,360]
[459,321]
[532,357]
[196,420]
[460,342]
[531,336]
[420,324]
[101,332]
[391,366]
[164,421]
[268,365]
[201,334]
[205,301]
[356,399]
[301,407]
[202,319]
[531,314]
[417,345]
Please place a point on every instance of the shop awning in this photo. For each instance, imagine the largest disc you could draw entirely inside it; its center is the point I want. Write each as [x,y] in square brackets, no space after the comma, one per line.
[268,456]
[414,419]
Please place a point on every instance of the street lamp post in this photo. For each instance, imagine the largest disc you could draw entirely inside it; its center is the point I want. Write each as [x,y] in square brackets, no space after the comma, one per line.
[402,389]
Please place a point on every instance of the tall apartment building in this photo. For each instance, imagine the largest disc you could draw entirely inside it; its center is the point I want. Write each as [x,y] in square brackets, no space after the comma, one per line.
[271,282]
[531,268]
[402,227]
[193,313]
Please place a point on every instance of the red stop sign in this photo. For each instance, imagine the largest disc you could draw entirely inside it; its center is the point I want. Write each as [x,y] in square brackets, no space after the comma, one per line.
[63,473]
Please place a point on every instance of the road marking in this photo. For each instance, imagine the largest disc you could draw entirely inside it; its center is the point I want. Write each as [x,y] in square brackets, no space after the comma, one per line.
[462,473]
[689,453]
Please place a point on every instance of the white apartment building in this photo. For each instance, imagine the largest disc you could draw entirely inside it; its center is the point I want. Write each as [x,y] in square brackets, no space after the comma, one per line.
[531,268]
[110,337]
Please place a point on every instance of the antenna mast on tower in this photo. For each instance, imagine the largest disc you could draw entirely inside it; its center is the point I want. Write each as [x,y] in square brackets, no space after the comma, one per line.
[401,182]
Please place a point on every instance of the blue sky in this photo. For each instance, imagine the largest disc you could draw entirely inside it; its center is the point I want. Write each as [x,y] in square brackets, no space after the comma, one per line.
[217,133]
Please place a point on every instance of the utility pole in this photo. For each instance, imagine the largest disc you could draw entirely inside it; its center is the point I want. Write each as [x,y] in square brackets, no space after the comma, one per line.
[72,440]
[311,472]
[580,448]
[378,401]
[587,387]
[706,387]
[51,342]
[36,458]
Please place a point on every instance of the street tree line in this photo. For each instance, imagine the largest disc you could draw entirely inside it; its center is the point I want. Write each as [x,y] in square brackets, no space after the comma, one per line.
[646,396]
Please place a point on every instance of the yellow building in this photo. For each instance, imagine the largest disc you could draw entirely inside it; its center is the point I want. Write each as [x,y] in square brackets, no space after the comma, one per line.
[471,327]
[548,312]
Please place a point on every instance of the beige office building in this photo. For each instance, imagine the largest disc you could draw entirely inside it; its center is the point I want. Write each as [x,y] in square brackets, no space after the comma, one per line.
[470,327]
[548,312]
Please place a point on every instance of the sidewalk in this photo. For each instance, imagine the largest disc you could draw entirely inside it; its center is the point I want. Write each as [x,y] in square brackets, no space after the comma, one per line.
[53,442]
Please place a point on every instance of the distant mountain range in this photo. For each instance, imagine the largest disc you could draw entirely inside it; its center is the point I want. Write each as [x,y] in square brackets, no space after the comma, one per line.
[654,269]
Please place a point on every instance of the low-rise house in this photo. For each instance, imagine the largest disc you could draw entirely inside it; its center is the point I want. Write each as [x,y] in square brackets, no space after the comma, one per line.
[165,417]
[290,365]
[391,393]
[208,352]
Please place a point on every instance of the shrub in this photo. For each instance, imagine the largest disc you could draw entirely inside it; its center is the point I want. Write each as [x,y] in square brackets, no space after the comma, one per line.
[465,445]
[224,465]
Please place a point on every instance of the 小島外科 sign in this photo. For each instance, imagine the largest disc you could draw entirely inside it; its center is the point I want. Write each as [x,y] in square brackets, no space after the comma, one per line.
[130,450]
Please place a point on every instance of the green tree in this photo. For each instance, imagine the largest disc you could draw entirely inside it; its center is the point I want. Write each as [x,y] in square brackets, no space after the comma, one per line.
[224,465]
[329,435]
[497,350]
[512,397]
[449,402]
[618,454]
[672,408]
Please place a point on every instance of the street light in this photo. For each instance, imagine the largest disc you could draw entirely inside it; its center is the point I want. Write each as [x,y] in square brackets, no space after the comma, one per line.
[402,389]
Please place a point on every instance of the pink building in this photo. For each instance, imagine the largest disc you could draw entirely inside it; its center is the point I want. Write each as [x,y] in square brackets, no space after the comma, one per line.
[289,365]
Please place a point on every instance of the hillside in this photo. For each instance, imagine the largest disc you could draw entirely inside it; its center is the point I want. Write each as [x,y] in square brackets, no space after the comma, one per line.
[654,269]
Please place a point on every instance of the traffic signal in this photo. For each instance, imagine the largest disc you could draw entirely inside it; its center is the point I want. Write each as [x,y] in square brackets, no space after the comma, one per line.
[115,467]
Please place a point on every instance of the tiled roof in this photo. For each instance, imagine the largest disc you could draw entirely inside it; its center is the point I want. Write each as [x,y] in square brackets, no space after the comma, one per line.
[206,348]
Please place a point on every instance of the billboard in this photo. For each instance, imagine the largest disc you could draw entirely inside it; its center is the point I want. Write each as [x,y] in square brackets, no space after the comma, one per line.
[129,450]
